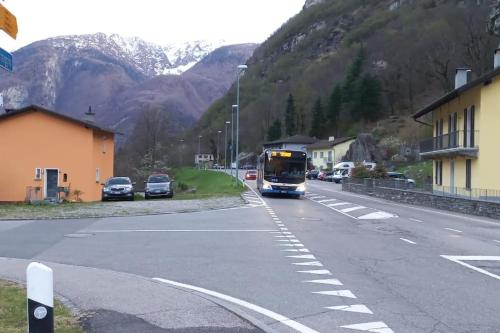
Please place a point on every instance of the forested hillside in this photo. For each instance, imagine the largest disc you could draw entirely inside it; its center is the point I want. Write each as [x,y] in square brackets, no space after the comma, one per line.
[341,67]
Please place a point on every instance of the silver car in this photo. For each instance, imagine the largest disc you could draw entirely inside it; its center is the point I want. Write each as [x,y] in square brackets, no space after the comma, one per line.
[159,185]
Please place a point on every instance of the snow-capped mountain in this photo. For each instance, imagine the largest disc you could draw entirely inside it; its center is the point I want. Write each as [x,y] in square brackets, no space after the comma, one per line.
[119,77]
[147,58]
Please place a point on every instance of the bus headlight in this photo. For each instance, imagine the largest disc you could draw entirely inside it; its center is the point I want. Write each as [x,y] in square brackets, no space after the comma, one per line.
[267,186]
[301,188]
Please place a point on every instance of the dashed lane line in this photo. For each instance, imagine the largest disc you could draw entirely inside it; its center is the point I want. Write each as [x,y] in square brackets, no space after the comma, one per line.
[358,308]
[268,313]
[309,263]
[374,327]
[352,209]
[333,282]
[317,272]
[408,241]
[338,293]
[415,220]
[454,230]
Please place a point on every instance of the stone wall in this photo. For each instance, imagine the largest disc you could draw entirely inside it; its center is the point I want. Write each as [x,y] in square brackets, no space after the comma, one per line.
[465,206]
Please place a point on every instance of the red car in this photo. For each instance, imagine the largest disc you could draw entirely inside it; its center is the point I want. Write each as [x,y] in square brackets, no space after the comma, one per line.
[251,175]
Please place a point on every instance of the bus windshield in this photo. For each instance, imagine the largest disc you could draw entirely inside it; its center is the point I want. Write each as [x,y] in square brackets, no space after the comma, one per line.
[281,170]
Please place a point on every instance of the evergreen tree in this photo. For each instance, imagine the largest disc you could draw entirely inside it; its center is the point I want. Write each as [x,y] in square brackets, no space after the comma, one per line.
[318,120]
[274,132]
[290,117]
[369,100]
[352,78]
[335,108]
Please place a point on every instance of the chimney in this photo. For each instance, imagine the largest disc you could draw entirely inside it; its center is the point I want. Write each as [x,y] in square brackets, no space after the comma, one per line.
[497,58]
[462,77]
[331,139]
[89,116]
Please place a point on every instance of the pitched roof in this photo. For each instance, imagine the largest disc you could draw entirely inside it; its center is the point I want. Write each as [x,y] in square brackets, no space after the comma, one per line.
[485,79]
[328,144]
[293,139]
[36,108]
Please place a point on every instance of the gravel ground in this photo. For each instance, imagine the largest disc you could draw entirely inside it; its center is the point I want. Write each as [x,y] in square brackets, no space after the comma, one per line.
[120,208]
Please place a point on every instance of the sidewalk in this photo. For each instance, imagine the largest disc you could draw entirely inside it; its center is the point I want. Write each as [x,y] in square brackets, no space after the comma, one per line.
[110,302]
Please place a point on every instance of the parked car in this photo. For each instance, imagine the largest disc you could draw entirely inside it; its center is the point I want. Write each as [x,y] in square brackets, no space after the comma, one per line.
[312,174]
[321,175]
[340,174]
[159,185]
[251,175]
[401,177]
[118,188]
[329,176]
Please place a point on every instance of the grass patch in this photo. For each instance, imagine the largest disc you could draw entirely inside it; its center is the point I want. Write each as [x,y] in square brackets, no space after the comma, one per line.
[207,183]
[421,172]
[13,312]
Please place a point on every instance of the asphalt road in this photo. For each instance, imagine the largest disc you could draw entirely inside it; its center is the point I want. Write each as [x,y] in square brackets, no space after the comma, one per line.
[330,262]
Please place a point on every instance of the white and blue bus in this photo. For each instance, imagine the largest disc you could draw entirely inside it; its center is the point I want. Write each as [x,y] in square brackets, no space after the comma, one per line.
[282,172]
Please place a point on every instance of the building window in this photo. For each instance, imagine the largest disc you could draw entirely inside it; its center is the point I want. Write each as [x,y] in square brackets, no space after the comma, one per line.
[38,173]
[439,172]
[97,175]
[321,155]
[315,154]
[65,177]
[468,174]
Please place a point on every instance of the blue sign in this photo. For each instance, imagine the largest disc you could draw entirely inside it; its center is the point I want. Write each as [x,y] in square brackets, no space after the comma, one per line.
[5,60]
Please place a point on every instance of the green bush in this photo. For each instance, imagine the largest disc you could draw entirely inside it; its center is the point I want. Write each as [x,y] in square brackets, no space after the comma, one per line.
[360,171]
[379,172]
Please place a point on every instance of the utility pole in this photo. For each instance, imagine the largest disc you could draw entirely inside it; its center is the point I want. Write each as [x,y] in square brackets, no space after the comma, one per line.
[241,69]
[225,147]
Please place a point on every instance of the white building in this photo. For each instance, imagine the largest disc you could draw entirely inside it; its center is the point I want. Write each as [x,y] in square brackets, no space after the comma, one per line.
[204,160]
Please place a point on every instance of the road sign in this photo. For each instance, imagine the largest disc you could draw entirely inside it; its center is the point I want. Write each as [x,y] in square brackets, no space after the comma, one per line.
[5,60]
[8,22]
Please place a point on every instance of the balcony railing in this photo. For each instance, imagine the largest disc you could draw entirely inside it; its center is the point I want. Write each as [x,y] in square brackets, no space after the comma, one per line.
[454,143]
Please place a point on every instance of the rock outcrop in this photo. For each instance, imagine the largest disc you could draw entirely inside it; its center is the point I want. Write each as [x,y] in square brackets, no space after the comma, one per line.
[363,149]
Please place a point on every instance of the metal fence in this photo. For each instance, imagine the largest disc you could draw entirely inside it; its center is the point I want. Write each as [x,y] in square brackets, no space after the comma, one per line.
[488,195]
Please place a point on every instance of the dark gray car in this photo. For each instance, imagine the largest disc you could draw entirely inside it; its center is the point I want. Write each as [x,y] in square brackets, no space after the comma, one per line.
[159,186]
[118,188]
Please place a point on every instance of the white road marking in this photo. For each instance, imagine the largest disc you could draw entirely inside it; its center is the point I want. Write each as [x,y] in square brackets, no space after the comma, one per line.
[326,200]
[333,282]
[268,313]
[317,197]
[286,229]
[296,250]
[286,232]
[359,308]
[377,216]
[374,327]
[175,230]
[415,220]
[339,204]
[310,263]
[454,230]
[468,218]
[352,209]
[408,241]
[292,245]
[288,240]
[304,256]
[281,236]
[496,241]
[317,272]
[460,259]
[339,293]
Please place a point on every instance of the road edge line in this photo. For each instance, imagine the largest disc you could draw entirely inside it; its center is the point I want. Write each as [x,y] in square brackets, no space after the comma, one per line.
[253,307]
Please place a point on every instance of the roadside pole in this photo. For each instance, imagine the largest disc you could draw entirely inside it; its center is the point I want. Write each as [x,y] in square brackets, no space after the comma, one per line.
[40,309]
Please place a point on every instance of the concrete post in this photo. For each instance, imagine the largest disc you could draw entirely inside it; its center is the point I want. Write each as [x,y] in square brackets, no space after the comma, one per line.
[40,308]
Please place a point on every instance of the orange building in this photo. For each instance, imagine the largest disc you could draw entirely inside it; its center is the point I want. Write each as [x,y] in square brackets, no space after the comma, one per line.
[48,155]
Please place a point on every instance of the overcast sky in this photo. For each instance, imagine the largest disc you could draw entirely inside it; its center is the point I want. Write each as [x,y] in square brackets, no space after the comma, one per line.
[158,21]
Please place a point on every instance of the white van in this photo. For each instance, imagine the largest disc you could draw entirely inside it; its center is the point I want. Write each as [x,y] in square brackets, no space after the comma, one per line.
[344,169]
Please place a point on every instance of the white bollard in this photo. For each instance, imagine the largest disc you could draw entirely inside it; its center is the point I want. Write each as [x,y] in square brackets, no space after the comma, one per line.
[39,279]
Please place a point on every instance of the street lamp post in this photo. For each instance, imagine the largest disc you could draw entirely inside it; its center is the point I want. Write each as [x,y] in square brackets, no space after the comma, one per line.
[233,108]
[199,150]
[241,69]
[225,147]
[218,135]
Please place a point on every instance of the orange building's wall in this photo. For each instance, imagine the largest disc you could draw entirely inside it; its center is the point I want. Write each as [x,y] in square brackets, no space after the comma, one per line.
[36,140]
[103,159]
